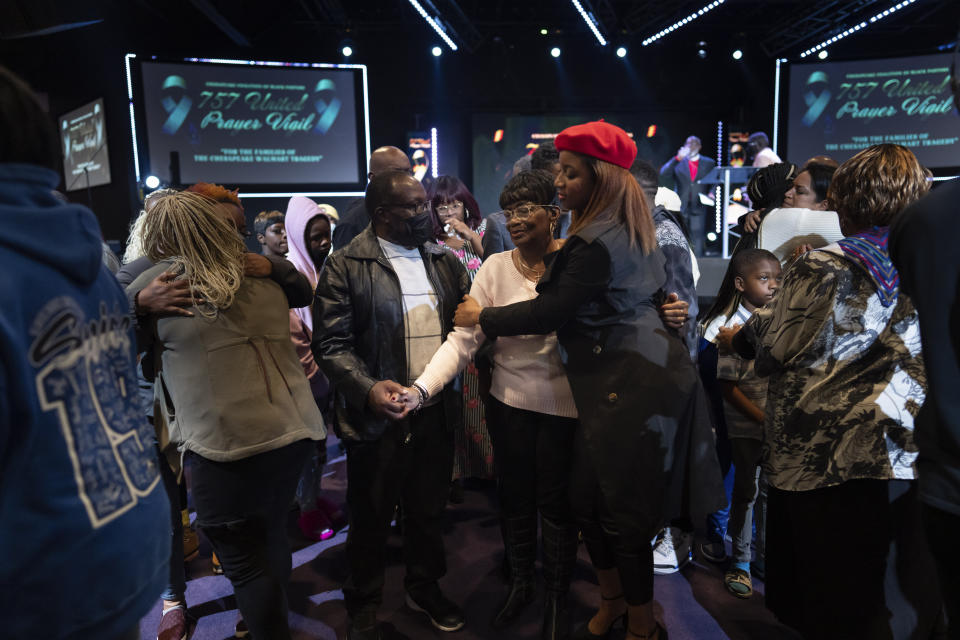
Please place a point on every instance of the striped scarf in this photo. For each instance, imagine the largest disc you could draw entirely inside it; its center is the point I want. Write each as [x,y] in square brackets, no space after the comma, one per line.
[869,250]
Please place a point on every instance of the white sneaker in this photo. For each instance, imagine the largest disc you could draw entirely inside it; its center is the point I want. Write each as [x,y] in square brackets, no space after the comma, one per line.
[672,551]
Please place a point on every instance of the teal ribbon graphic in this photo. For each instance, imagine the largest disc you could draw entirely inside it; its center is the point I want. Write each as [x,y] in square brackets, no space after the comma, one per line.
[328,111]
[816,103]
[176,111]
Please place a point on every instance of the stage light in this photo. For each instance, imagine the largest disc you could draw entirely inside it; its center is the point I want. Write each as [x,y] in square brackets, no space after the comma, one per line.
[152,182]
[347,52]
[823,54]
[434,169]
[702,53]
[857,27]
[498,135]
[555,52]
[621,52]
[591,22]
[133,123]
[737,54]
[711,236]
[717,190]
[543,32]
[776,103]
[434,24]
[683,22]
[651,131]
[436,51]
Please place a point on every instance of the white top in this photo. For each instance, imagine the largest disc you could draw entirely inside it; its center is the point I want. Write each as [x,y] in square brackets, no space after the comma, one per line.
[783,230]
[528,372]
[421,318]
[739,317]
[766,157]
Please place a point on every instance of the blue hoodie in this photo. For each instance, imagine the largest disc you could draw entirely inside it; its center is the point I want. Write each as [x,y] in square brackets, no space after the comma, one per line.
[84,524]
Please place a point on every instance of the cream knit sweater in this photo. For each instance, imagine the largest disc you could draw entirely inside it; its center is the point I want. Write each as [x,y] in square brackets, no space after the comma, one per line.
[528,373]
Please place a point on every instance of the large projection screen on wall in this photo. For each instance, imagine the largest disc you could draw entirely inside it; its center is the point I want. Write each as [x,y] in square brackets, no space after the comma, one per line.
[257,125]
[838,108]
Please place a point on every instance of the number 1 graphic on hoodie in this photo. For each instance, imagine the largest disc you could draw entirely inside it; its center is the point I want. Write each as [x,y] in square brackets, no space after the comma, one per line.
[86,379]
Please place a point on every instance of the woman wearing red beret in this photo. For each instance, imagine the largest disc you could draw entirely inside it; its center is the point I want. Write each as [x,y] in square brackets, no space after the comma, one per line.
[644,449]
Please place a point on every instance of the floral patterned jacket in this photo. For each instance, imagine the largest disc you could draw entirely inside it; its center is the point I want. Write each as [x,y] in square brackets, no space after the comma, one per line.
[846,375]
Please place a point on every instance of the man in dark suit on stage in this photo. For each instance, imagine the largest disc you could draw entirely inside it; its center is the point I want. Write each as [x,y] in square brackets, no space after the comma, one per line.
[680,173]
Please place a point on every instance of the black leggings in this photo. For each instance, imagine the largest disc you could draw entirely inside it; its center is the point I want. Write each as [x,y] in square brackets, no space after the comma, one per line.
[532,452]
[242,507]
[609,545]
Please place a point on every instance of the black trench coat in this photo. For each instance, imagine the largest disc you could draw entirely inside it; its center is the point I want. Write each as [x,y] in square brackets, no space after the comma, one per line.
[643,413]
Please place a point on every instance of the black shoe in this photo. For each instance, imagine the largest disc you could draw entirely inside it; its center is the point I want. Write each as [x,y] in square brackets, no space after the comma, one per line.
[520,595]
[364,626]
[584,633]
[658,633]
[443,614]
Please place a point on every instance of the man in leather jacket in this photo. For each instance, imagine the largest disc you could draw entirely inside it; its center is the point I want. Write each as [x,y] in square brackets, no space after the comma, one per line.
[383,305]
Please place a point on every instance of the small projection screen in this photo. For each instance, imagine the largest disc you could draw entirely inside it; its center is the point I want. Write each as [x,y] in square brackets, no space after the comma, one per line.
[272,126]
[83,133]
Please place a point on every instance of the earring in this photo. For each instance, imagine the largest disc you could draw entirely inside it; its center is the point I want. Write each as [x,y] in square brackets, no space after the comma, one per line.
[553,227]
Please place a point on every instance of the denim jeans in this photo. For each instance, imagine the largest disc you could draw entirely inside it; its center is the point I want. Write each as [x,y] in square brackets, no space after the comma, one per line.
[411,465]
[746,461]
[242,508]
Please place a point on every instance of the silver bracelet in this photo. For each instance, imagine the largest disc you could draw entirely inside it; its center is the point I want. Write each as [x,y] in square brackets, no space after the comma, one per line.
[423,396]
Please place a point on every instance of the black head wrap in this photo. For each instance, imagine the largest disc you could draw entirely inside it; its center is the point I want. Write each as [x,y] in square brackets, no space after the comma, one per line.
[768,185]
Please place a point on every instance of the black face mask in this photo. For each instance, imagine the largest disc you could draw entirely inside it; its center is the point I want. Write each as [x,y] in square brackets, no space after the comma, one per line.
[419,229]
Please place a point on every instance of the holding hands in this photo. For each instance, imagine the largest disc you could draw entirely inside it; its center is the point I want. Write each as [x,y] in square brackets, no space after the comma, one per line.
[389,399]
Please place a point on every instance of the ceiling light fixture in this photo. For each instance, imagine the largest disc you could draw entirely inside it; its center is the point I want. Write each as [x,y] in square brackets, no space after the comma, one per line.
[857,27]
[591,22]
[683,22]
[434,23]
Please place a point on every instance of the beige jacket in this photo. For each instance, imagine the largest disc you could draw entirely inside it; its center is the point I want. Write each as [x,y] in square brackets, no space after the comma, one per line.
[231,387]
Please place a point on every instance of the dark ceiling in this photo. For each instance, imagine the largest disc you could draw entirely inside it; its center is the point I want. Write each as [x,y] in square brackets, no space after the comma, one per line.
[777,28]
[72,53]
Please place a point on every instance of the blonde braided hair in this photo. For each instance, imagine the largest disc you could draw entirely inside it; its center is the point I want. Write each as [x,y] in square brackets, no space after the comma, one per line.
[204,247]
[134,248]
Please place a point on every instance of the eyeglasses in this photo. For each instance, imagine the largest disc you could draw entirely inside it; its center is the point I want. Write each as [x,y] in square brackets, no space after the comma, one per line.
[525,211]
[444,209]
[416,207]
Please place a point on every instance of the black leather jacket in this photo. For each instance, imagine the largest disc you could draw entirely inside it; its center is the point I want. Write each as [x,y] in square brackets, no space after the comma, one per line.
[358,330]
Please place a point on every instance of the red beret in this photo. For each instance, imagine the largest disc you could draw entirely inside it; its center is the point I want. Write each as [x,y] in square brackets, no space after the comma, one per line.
[600,140]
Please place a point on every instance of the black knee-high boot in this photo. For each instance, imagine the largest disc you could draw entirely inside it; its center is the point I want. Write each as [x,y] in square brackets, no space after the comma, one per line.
[559,558]
[521,549]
